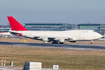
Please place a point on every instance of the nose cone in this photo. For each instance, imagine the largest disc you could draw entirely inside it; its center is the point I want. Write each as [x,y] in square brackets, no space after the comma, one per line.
[100,36]
[97,35]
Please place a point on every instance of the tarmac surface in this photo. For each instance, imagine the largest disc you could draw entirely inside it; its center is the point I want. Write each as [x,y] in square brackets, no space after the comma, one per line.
[54,45]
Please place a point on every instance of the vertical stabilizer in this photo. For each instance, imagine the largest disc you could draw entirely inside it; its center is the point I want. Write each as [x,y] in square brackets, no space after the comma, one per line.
[15,25]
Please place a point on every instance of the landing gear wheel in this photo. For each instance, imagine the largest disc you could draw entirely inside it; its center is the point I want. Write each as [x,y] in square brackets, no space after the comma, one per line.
[54,42]
[61,43]
[91,42]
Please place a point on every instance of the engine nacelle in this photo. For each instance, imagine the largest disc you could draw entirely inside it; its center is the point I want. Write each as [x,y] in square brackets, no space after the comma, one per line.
[45,39]
[62,40]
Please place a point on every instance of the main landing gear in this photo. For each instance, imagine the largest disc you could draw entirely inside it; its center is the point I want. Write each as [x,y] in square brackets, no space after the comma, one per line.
[56,42]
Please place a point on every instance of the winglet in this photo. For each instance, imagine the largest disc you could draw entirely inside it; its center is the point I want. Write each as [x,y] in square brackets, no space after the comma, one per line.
[15,25]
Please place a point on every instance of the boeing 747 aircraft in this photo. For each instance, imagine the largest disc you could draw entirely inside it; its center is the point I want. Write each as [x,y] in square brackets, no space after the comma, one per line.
[56,37]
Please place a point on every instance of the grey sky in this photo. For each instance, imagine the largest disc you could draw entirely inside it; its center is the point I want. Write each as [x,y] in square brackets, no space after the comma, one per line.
[53,11]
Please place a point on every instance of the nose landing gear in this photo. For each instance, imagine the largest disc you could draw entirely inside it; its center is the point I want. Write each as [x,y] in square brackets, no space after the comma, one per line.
[91,42]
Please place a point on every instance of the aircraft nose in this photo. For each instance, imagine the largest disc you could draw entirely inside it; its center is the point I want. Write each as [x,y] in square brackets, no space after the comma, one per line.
[100,36]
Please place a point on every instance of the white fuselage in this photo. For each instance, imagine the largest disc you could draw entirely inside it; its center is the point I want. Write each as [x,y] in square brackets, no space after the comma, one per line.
[70,35]
[5,34]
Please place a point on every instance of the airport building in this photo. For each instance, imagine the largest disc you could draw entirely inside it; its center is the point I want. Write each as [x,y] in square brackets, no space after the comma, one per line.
[4,28]
[100,28]
[89,26]
[48,26]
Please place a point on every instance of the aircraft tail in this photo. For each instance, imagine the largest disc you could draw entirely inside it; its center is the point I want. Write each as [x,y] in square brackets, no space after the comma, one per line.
[15,25]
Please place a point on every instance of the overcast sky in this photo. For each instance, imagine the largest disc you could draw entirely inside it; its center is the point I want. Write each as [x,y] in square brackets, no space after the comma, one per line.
[53,11]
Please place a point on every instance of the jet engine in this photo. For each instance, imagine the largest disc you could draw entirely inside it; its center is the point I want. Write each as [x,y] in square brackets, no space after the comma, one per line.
[45,39]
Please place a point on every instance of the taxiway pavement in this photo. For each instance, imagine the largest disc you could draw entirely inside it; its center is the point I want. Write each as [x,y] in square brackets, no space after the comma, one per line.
[54,45]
